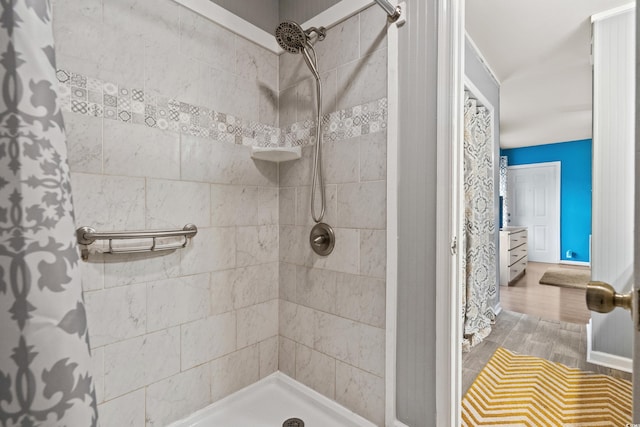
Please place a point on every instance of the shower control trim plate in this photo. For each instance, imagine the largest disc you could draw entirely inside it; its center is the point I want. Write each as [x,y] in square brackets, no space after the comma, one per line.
[322,239]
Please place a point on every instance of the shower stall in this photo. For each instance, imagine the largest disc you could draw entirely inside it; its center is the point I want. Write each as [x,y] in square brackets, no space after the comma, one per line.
[162,104]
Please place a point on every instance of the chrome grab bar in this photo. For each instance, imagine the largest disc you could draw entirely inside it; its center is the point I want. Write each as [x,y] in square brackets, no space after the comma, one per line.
[88,235]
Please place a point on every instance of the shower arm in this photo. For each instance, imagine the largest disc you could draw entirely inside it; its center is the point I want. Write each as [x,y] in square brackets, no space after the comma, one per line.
[320,32]
[395,14]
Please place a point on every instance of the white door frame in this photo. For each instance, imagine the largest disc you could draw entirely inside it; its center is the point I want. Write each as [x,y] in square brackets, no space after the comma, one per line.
[477,94]
[450,118]
[449,211]
[450,82]
[556,218]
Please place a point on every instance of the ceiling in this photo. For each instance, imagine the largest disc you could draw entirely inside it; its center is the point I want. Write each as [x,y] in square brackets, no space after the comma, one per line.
[540,53]
[266,14]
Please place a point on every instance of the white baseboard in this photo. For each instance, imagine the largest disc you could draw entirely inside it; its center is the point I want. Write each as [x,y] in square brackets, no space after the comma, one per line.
[605,359]
[610,361]
[582,263]
[399,424]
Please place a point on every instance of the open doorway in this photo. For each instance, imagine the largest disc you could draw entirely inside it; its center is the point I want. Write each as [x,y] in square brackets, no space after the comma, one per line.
[542,69]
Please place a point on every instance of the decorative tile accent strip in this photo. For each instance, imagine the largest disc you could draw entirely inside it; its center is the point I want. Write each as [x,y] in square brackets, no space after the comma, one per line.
[92,97]
[343,124]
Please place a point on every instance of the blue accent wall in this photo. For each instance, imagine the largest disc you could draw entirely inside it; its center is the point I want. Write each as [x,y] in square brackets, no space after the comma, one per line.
[575,190]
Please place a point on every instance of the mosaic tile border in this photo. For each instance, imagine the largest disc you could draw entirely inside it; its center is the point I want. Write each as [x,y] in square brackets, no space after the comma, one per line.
[343,124]
[96,98]
[92,97]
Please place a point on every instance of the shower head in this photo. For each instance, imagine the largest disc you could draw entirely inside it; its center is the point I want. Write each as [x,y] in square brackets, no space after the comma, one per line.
[291,37]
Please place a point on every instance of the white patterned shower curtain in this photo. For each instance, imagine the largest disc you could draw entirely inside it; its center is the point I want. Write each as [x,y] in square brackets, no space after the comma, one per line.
[479,283]
[45,378]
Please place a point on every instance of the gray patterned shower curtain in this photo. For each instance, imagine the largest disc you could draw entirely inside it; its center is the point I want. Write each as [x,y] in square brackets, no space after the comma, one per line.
[479,284]
[44,342]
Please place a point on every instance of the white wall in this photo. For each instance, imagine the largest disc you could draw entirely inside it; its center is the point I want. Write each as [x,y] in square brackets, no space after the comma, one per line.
[302,10]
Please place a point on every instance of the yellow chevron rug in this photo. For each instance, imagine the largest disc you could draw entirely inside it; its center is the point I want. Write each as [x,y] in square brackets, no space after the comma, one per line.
[514,390]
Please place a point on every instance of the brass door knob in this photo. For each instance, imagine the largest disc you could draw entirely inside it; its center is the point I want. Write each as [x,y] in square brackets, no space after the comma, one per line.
[602,298]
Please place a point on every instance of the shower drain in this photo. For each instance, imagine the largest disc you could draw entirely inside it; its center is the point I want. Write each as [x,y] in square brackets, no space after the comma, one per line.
[293,422]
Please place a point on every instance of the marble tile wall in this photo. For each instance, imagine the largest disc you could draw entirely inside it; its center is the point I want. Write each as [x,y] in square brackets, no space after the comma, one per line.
[332,309]
[171,333]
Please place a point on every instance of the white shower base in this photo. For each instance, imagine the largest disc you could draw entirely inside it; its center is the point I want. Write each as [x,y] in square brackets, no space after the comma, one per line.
[269,403]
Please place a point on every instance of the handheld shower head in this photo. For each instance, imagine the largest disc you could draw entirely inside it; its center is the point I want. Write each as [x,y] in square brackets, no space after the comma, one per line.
[291,37]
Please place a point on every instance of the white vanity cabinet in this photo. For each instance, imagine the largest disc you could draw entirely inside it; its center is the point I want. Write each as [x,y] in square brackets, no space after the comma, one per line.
[513,254]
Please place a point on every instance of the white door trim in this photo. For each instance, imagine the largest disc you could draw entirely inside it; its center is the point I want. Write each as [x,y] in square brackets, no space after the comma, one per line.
[556,219]
[392,228]
[449,211]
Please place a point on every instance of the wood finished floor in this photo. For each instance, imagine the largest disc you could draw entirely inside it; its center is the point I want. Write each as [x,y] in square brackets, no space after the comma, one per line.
[537,320]
[547,302]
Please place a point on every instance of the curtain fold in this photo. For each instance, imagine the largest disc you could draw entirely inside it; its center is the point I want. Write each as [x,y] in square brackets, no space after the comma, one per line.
[479,287]
[45,362]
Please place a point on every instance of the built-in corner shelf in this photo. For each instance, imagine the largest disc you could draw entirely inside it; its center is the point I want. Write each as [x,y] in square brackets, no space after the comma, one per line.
[276,154]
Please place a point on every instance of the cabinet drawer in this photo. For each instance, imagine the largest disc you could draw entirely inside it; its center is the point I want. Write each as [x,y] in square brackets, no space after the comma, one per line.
[517,268]
[517,253]
[517,239]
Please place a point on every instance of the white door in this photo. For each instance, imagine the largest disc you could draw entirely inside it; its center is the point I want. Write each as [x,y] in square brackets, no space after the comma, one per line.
[533,201]
[616,224]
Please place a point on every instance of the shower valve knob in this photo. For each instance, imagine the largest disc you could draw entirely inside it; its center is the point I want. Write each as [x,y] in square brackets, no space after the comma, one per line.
[319,240]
